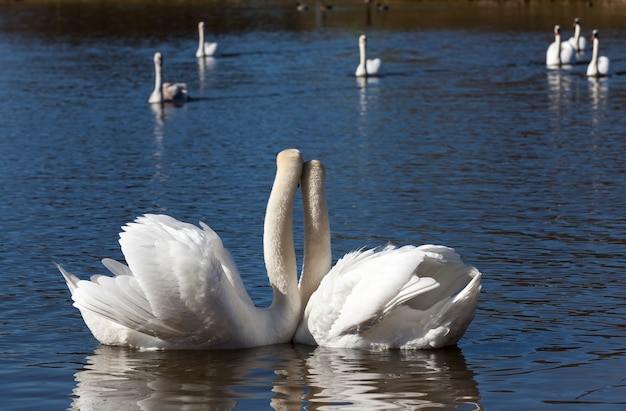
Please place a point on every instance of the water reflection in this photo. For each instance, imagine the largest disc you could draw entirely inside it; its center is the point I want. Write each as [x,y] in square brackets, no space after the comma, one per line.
[559,92]
[205,64]
[288,377]
[598,92]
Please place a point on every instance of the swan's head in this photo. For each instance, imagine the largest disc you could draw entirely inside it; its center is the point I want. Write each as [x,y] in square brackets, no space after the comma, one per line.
[362,40]
[201,25]
[594,35]
[158,58]
[557,30]
[577,22]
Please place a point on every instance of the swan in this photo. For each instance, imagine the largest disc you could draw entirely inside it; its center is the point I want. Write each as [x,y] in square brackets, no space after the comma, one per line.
[204,49]
[577,41]
[560,53]
[598,66]
[378,299]
[181,288]
[367,67]
[166,92]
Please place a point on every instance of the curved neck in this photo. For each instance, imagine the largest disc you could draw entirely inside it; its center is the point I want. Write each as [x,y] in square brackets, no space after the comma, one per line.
[317,249]
[278,246]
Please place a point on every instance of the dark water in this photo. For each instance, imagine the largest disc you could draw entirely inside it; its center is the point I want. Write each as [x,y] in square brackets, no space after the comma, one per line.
[468,142]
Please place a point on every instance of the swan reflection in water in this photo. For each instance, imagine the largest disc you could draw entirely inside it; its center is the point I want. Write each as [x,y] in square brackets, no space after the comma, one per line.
[281,376]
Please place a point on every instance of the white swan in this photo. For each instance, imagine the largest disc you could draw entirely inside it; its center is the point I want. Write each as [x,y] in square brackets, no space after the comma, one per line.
[577,41]
[390,298]
[204,49]
[367,67]
[166,92]
[560,53]
[181,289]
[599,65]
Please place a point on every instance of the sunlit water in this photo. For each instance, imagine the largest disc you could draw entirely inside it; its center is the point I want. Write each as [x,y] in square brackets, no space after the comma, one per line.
[468,141]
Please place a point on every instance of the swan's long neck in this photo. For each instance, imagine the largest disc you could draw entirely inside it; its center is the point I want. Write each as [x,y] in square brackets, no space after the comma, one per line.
[317,250]
[278,246]
[557,40]
[595,51]
[200,52]
[363,54]
[577,35]
[158,76]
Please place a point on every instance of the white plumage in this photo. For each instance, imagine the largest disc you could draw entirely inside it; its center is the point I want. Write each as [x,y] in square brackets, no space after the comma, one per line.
[367,67]
[395,297]
[560,53]
[205,49]
[599,65]
[181,288]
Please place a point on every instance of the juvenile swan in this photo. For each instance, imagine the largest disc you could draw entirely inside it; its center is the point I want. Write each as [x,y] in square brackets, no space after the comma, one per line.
[166,92]
[181,288]
[407,298]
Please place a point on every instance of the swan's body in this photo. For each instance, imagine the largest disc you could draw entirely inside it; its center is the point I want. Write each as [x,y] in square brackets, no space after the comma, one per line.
[577,41]
[560,53]
[367,67]
[166,92]
[599,65]
[390,298]
[205,49]
[181,288]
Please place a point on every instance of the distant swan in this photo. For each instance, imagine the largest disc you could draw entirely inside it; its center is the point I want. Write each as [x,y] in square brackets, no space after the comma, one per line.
[560,53]
[367,67]
[577,41]
[166,92]
[181,288]
[599,65]
[204,49]
[379,298]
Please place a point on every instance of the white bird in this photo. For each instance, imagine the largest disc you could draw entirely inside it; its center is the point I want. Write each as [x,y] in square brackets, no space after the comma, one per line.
[205,49]
[166,92]
[181,288]
[406,298]
[577,41]
[560,53]
[367,67]
[599,65]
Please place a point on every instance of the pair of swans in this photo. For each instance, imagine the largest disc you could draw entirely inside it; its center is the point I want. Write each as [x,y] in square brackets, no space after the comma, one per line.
[177,92]
[181,288]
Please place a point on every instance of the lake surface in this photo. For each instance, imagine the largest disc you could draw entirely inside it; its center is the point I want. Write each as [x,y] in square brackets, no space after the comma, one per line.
[468,141]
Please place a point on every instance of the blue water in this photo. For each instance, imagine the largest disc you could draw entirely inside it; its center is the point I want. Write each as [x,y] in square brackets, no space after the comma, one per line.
[468,141]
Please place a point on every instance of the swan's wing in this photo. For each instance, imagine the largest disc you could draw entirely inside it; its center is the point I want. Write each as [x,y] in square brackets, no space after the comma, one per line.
[362,288]
[374,67]
[181,277]
[210,49]
[119,299]
[603,65]
[175,92]
[568,53]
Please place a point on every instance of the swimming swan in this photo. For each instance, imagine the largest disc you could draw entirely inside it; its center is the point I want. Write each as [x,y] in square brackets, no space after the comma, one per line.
[367,67]
[204,49]
[166,92]
[181,288]
[599,65]
[577,41]
[379,298]
[560,53]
